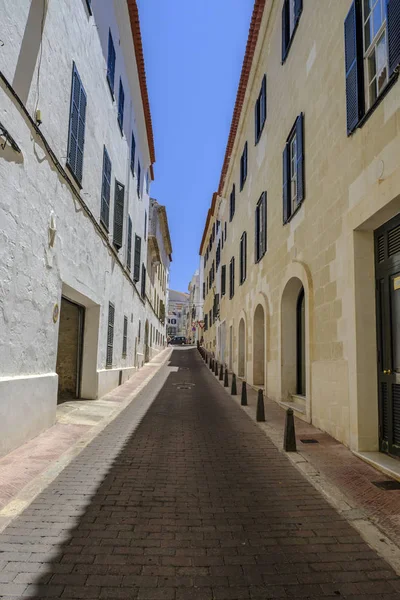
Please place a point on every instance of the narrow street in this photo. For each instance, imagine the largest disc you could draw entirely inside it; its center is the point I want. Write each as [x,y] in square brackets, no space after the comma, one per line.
[194,503]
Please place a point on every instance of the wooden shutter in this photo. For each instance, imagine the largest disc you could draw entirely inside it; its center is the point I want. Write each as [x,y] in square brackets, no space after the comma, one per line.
[118,214]
[286,185]
[223,280]
[300,158]
[121,102]
[125,337]
[136,268]
[353,65]
[111,62]
[129,249]
[110,335]
[77,123]
[285,29]
[393,34]
[133,152]
[105,190]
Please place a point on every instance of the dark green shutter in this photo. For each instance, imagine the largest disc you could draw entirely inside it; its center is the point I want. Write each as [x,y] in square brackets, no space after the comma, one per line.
[353,65]
[393,34]
[143,290]
[129,249]
[136,268]
[77,123]
[300,158]
[105,190]
[118,214]
[125,337]
[286,185]
[110,335]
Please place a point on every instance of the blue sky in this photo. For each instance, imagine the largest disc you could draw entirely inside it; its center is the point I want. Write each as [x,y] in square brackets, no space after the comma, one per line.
[193,53]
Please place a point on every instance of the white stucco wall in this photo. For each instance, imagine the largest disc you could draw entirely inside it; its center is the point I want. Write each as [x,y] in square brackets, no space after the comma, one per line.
[80,265]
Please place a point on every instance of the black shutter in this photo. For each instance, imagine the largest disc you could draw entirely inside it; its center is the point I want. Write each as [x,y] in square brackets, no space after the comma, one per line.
[241,258]
[257,120]
[125,337]
[245,161]
[133,151]
[118,214]
[286,185]
[121,102]
[204,291]
[136,268]
[298,7]
[111,62]
[105,190]
[139,174]
[77,123]
[223,280]
[285,28]
[110,335]
[300,158]
[265,223]
[256,235]
[129,249]
[263,108]
[233,276]
[143,291]
[353,65]
[393,33]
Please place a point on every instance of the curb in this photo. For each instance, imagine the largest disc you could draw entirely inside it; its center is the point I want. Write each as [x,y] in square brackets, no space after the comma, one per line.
[26,496]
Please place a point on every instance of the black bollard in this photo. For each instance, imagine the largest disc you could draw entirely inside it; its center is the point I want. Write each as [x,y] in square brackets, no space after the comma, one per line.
[212,364]
[221,373]
[260,407]
[226,381]
[289,440]
[216,368]
[233,386]
[243,401]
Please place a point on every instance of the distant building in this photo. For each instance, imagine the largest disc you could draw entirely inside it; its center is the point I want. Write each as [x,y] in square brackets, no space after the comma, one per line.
[194,315]
[178,303]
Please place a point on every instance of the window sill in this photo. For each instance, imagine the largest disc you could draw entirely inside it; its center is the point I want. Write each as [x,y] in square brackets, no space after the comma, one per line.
[378,101]
[76,180]
[294,213]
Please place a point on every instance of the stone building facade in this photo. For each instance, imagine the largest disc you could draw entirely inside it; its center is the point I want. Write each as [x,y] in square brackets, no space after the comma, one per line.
[308,205]
[76,158]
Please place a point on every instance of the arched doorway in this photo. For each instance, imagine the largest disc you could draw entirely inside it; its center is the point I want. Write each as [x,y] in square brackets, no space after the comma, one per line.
[259,347]
[293,331]
[146,342]
[242,349]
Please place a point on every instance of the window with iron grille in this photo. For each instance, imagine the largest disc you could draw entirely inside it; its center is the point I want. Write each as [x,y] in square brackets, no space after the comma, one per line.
[261,227]
[232,277]
[121,103]
[243,167]
[243,257]
[223,280]
[232,202]
[105,190]
[129,248]
[118,214]
[261,109]
[136,264]
[111,63]
[125,338]
[110,335]
[77,124]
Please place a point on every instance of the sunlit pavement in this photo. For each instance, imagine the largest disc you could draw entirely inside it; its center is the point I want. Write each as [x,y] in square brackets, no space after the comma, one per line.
[194,501]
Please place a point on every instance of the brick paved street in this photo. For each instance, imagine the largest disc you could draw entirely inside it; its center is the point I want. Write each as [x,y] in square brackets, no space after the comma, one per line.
[196,503]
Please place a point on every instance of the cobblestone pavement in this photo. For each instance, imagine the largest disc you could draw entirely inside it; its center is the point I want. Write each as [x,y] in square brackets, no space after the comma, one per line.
[194,503]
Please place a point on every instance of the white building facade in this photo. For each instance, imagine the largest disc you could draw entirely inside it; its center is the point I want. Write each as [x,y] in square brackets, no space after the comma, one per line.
[76,155]
[178,304]
[195,323]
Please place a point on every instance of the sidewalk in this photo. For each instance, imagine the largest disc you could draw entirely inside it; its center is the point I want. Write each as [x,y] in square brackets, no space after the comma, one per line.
[26,471]
[343,478]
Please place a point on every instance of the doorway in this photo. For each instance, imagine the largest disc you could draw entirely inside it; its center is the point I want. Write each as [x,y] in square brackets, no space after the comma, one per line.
[69,351]
[259,347]
[301,344]
[387,273]
[242,348]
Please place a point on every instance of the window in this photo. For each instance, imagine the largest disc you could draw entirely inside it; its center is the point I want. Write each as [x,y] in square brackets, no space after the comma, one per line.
[225,230]
[118,214]
[145,225]
[129,248]
[218,255]
[143,290]
[139,175]
[232,277]
[232,203]
[139,329]
[210,317]
[136,267]
[133,151]
[89,6]
[243,167]
[77,122]
[125,337]
[223,280]
[261,109]
[110,335]
[291,13]
[121,102]
[372,54]
[204,291]
[105,190]
[213,232]
[147,182]
[111,63]
[261,227]
[293,170]
[243,257]
[205,322]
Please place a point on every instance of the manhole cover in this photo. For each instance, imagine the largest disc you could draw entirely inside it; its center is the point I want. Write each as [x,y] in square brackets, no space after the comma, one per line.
[186,383]
[309,441]
[184,368]
[184,387]
[389,485]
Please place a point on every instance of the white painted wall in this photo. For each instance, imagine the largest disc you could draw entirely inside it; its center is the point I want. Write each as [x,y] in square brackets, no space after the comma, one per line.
[81,265]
